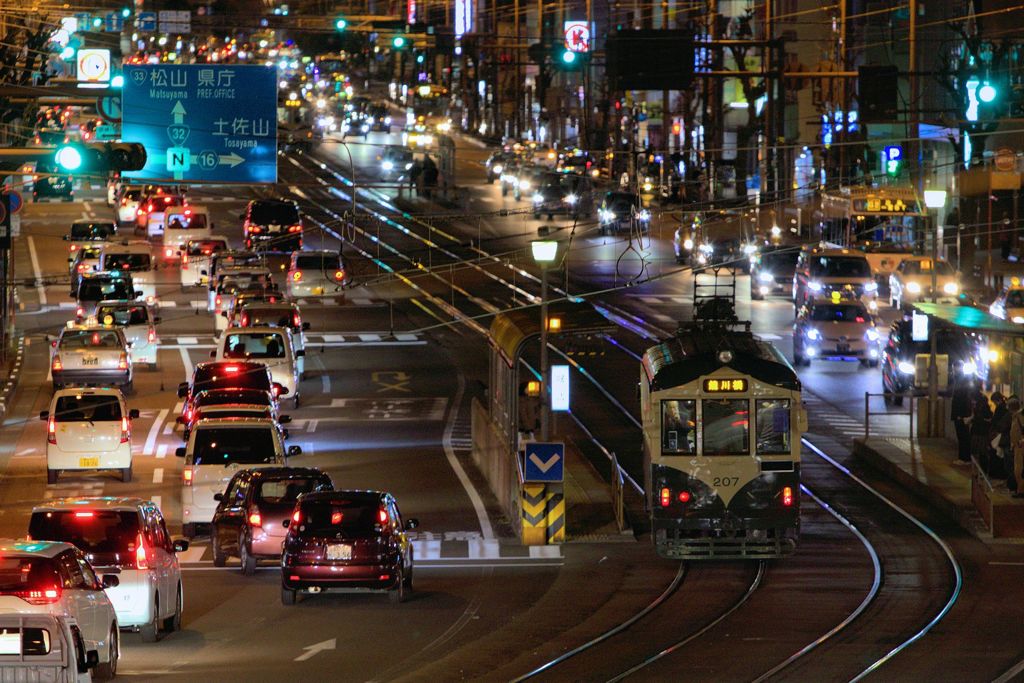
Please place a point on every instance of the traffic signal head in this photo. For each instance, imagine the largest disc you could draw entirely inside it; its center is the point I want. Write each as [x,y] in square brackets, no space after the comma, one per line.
[568,57]
[677,128]
[398,42]
[100,157]
[126,12]
[987,92]
[341,24]
[68,158]
[568,60]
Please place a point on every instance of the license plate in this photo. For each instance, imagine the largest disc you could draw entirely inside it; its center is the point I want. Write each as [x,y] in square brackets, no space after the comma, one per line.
[339,551]
[89,462]
[318,290]
[91,360]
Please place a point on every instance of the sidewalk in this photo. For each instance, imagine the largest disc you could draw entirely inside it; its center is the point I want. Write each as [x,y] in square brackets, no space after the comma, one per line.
[926,468]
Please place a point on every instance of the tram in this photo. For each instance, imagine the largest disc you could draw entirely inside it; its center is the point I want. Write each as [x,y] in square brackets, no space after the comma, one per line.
[722,421]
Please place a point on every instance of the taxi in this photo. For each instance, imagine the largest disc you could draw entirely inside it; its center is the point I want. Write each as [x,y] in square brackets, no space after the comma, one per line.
[87,231]
[835,328]
[91,355]
[138,324]
[276,314]
[196,256]
[1009,305]
[911,281]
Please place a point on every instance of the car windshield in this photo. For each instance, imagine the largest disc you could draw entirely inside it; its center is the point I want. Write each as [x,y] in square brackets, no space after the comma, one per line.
[1015,298]
[271,317]
[178,221]
[95,532]
[287,491]
[89,339]
[243,346]
[129,262]
[85,231]
[230,445]
[924,267]
[840,313]
[205,247]
[781,261]
[356,518]
[619,201]
[283,213]
[122,315]
[324,262]
[87,408]
[98,289]
[840,266]
[231,376]
[20,574]
[234,282]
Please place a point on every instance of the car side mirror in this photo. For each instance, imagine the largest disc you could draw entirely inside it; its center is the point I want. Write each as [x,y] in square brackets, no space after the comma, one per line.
[45,415]
[133,414]
[284,419]
[92,660]
[111,581]
[285,523]
[180,451]
[300,353]
[180,546]
[294,450]
[412,523]
[66,238]
[183,390]
[305,327]
[218,496]
[280,389]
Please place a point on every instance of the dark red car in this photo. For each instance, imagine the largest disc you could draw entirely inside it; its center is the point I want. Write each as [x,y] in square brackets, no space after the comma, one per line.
[347,540]
[248,522]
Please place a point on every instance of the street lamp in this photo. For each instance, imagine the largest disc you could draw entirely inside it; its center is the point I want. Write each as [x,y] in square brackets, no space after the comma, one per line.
[934,199]
[544,253]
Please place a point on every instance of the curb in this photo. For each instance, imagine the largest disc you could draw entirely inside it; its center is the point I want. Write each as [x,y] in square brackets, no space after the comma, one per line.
[7,393]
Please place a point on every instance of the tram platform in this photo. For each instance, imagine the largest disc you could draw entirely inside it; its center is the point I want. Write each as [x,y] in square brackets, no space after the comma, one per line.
[929,469]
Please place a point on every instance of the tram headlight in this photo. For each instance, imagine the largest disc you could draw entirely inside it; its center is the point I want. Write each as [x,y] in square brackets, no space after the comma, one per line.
[906,367]
[812,334]
[814,286]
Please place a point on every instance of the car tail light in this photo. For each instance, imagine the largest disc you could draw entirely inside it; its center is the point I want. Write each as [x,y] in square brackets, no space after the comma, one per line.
[141,560]
[74,248]
[41,596]
[684,496]
[139,212]
[51,430]
[255,518]
[79,311]
[184,259]
[151,336]
[336,517]
[122,362]
[339,275]
[126,434]
[382,516]
[787,496]
[295,228]
[57,364]
[85,514]
[297,275]
[297,517]
[186,476]
[276,390]
[296,320]
[216,302]
[244,322]
[231,368]
[255,230]
[666,496]
[81,267]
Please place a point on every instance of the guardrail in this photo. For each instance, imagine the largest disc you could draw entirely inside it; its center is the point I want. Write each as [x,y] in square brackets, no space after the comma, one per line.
[982,478]
[909,412]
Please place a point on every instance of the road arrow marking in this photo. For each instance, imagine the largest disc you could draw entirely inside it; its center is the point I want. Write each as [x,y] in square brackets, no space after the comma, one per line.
[542,465]
[231,160]
[179,112]
[312,650]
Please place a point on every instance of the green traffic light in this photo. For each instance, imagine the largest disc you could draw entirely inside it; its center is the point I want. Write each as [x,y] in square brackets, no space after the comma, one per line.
[568,57]
[117,81]
[987,92]
[67,54]
[419,59]
[398,42]
[341,24]
[68,158]
[126,12]
[97,22]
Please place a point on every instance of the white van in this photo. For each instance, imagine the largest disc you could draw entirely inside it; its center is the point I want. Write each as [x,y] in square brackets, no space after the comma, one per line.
[135,257]
[44,647]
[88,430]
[271,346]
[216,450]
[184,223]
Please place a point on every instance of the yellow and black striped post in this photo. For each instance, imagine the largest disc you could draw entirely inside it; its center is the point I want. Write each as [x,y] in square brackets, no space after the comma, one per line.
[543,514]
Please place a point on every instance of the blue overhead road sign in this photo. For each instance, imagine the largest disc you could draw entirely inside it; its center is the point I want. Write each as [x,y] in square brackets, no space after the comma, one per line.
[146,21]
[202,122]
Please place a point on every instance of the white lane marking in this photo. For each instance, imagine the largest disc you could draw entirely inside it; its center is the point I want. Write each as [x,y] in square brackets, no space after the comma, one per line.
[187,362]
[157,500]
[168,429]
[484,549]
[369,337]
[405,337]
[1007,564]
[161,451]
[335,338]
[474,497]
[179,406]
[362,302]
[188,340]
[154,432]
[325,381]
[311,426]
[545,551]
[338,402]
[158,475]
[37,274]
[25,451]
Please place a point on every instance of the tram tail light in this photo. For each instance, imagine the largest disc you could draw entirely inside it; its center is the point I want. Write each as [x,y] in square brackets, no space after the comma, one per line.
[787,496]
[666,496]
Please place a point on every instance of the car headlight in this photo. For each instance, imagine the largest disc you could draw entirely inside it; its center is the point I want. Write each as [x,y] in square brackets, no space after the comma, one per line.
[951,288]
[906,367]
[497,168]
[991,355]
[776,231]
[524,184]
[538,198]
[812,334]
[765,276]
[571,199]
[387,120]
[969,367]
[387,165]
[871,287]
[873,306]
[644,215]
[1018,319]
[749,249]
[606,216]
[871,334]
[814,286]
[706,248]
[913,288]
[688,244]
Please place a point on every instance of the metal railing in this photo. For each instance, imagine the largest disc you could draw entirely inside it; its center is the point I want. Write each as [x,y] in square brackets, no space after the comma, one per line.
[909,412]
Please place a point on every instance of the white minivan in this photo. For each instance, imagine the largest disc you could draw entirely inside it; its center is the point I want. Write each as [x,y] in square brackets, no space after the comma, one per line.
[184,223]
[216,450]
[88,430]
[271,346]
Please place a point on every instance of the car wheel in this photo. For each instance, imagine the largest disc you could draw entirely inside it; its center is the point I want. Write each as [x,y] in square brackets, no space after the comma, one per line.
[126,474]
[248,561]
[188,530]
[397,594]
[108,670]
[51,476]
[173,622]
[220,558]
[504,191]
[129,388]
[151,630]
[288,596]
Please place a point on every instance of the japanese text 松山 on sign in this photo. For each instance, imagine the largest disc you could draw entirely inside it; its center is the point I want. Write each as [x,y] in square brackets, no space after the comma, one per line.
[202,122]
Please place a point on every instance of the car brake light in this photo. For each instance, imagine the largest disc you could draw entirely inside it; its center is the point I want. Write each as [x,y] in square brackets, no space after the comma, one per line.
[297,275]
[255,519]
[74,247]
[276,391]
[336,517]
[295,228]
[57,364]
[382,516]
[666,497]
[186,476]
[339,275]
[51,430]
[245,320]
[152,335]
[858,319]
[297,517]
[296,320]
[85,514]
[684,496]
[81,267]
[254,230]
[231,368]
[38,597]
[139,212]
[217,302]
[141,561]
[122,362]
[787,496]
[125,433]
[184,259]
[79,311]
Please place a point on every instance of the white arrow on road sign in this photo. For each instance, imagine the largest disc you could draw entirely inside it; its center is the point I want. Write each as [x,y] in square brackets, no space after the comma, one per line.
[542,465]
[231,160]
[312,650]
[179,112]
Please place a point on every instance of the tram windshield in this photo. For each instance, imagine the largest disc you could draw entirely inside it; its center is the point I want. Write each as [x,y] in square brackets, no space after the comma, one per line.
[773,432]
[726,426]
[678,433]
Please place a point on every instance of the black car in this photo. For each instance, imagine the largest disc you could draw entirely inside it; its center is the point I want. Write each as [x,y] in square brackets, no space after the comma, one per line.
[48,183]
[379,118]
[272,224]
[772,272]
[495,164]
[905,361]
[622,210]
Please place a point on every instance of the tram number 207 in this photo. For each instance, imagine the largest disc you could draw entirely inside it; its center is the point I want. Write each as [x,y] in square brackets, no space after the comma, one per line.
[725,481]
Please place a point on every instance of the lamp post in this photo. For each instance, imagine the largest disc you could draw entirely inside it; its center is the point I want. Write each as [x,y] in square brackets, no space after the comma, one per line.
[934,199]
[544,253]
